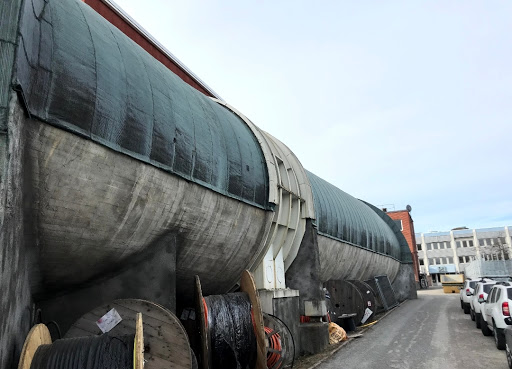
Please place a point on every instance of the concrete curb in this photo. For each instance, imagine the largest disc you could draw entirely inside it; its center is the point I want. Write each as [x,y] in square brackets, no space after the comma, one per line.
[345,343]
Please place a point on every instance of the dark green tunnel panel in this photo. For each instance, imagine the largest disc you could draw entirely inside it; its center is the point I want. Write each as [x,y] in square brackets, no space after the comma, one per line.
[80,73]
[405,251]
[345,218]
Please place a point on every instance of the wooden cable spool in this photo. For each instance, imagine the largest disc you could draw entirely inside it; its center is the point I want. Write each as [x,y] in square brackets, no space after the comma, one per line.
[346,298]
[40,335]
[165,340]
[248,286]
[368,295]
[37,336]
[201,322]
[280,344]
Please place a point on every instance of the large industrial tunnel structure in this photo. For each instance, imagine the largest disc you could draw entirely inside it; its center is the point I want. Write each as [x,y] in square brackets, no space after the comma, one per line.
[120,179]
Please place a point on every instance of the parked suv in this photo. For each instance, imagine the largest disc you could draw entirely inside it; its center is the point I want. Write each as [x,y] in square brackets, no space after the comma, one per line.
[496,312]
[465,294]
[482,288]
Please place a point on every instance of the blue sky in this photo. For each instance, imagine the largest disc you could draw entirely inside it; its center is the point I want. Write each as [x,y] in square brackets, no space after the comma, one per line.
[396,102]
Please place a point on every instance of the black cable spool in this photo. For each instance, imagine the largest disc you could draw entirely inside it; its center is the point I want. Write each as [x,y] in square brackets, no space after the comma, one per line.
[100,352]
[230,331]
[90,352]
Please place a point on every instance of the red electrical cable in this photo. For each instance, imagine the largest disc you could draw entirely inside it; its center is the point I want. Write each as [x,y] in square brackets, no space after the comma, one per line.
[305,319]
[274,341]
[205,314]
[253,322]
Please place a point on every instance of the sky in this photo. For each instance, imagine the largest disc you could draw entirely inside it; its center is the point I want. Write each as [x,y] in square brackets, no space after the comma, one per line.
[394,102]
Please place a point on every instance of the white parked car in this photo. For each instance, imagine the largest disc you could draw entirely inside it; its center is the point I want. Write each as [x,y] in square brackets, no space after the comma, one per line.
[496,312]
[465,294]
[482,289]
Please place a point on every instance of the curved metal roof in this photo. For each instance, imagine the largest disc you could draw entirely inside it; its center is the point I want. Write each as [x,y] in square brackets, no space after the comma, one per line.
[347,219]
[79,72]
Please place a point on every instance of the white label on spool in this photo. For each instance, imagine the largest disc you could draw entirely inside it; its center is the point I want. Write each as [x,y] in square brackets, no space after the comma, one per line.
[108,321]
[367,314]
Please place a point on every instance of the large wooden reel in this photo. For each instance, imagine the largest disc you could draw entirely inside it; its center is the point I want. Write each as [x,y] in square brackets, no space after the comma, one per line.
[347,298]
[369,296]
[39,336]
[166,343]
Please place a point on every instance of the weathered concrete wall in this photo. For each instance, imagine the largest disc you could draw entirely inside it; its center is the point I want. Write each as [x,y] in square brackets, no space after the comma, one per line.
[342,261]
[94,208]
[150,275]
[287,309]
[303,274]
[314,338]
[404,284]
[15,296]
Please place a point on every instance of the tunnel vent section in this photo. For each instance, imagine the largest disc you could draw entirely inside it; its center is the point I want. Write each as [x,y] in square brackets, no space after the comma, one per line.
[292,201]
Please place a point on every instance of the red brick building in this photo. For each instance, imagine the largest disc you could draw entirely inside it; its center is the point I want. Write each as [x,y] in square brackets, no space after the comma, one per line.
[115,15]
[406,224]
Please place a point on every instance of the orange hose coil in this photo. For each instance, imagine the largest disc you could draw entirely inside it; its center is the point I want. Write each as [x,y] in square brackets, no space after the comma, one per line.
[274,341]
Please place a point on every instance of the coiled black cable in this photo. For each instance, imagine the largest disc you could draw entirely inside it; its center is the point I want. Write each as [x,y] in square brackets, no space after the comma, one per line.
[231,330]
[97,352]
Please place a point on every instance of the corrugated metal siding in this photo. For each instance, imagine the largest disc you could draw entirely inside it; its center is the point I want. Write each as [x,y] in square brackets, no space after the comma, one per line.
[79,72]
[345,218]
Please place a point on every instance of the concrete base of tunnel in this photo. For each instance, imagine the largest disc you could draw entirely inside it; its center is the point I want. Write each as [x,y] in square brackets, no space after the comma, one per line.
[303,274]
[404,284]
[314,338]
[93,208]
[149,276]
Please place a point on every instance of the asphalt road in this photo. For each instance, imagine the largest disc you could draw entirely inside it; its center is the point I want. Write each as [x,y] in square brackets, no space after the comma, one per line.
[430,332]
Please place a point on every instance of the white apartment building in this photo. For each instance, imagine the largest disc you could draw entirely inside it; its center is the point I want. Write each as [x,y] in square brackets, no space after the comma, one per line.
[450,252]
